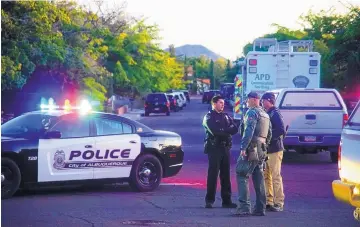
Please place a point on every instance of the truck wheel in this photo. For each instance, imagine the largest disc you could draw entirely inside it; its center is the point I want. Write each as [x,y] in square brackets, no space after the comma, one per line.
[334,157]
[146,173]
[357,214]
[10,178]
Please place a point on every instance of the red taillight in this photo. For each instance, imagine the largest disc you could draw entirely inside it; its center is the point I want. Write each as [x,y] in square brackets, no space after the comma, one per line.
[174,101]
[339,155]
[145,105]
[345,119]
[252,61]
[168,104]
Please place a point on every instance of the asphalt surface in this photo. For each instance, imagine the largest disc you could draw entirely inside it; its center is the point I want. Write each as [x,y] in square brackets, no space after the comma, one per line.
[179,201]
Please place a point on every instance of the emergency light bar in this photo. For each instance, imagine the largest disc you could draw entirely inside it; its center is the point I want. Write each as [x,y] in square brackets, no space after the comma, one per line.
[83,108]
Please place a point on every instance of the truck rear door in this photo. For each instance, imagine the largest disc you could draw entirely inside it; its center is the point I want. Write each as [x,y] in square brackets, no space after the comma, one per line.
[350,154]
[261,72]
[304,70]
[318,112]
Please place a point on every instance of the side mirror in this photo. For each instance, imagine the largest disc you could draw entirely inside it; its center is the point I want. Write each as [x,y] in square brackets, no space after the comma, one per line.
[53,135]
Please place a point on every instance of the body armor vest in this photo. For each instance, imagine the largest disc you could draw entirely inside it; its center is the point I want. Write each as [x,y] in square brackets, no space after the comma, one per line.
[263,124]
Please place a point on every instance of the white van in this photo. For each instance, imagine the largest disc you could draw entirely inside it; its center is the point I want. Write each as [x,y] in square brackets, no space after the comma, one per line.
[314,119]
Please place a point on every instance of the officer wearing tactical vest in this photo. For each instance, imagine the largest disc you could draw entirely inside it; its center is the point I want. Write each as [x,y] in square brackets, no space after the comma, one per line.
[219,127]
[256,137]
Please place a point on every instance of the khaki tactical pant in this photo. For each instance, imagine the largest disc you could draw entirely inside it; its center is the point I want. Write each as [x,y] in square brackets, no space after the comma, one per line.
[273,180]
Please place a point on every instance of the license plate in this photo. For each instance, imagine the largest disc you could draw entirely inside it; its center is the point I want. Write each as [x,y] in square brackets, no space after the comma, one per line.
[310,138]
[157,108]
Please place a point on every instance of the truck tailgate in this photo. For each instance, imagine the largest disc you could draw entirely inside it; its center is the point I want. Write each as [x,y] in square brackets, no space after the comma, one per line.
[320,121]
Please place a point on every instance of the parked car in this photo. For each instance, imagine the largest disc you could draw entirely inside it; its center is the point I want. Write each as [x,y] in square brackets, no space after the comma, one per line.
[347,188]
[208,95]
[157,103]
[187,95]
[174,104]
[180,101]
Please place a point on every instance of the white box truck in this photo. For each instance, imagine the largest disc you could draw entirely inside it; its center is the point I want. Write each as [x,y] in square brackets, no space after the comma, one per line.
[274,65]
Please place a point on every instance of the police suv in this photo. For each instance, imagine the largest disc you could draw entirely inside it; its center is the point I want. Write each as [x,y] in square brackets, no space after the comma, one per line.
[59,146]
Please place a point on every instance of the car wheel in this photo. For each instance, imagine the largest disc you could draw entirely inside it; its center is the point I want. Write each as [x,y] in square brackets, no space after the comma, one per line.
[334,157]
[168,113]
[10,178]
[146,114]
[146,173]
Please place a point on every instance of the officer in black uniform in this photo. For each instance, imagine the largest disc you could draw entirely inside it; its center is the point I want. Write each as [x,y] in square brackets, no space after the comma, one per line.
[219,128]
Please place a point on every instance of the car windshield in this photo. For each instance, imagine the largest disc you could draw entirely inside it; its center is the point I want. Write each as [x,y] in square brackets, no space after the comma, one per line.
[27,125]
[355,118]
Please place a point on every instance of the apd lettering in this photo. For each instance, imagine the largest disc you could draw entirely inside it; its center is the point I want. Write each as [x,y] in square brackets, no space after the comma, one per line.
[89,154]
[262,77]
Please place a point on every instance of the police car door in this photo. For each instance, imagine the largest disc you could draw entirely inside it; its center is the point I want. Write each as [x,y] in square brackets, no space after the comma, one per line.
[67,158]
[117,145]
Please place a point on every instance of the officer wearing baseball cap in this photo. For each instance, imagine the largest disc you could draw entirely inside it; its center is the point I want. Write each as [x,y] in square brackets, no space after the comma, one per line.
[273,180]
[256,136]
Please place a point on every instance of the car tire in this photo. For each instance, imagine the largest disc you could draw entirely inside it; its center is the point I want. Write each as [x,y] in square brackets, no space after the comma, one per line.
[11,171]
[168,113]
[146,114]
[334,156]
[146,164]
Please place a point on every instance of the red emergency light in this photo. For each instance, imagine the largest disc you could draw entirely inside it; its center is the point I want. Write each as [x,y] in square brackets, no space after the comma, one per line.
[252,61]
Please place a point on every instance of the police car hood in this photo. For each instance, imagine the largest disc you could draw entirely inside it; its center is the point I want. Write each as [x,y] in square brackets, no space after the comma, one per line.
[166,133]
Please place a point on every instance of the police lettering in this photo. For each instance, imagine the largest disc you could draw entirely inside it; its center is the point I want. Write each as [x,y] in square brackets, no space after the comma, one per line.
[89,154]
[262,77]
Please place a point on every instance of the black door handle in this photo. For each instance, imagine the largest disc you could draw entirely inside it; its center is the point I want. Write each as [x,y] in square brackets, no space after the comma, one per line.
[88,146]
[132,141]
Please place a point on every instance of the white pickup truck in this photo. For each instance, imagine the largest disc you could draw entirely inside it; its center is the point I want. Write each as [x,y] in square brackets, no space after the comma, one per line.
[314,119]
[347,189]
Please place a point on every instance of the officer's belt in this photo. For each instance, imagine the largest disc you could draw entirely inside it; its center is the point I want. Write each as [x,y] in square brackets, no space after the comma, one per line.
[256,139]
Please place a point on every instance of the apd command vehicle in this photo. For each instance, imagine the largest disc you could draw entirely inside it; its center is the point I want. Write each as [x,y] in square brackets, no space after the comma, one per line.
[66,145]
[274,65]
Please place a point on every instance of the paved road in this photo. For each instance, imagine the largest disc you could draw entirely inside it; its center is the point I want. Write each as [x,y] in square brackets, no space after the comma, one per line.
[179,200]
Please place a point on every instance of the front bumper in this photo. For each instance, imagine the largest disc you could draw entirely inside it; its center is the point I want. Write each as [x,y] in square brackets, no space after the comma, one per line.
[173,161]
[345,192]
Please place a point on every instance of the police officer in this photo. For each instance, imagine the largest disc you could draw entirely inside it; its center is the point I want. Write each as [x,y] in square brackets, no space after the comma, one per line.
[256,136]
[273,180]
[219,127]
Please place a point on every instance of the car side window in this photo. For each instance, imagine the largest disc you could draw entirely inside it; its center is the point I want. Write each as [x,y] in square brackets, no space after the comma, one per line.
[72,128]
[111,127]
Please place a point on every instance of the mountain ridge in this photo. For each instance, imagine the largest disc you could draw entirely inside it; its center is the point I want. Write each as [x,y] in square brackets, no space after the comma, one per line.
[195,50]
